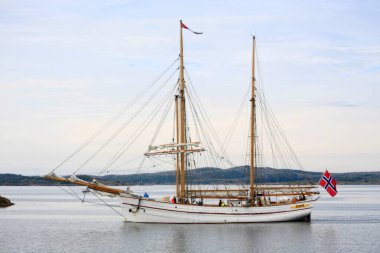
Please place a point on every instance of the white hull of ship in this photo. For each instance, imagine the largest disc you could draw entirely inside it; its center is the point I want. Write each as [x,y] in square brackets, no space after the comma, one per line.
[144,210]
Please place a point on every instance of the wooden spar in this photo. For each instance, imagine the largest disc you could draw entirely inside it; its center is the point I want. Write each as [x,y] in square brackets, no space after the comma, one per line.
[280,188]
[252,151]
[223,190]
[175,151]
[284,187]
[177,175]
[218,197]
[195,143]
[93,186]
[196,196]
[182,113]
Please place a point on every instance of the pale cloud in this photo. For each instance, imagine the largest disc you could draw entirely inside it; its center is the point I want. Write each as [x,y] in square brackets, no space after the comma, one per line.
[47,83]
[340,104]
[68,66]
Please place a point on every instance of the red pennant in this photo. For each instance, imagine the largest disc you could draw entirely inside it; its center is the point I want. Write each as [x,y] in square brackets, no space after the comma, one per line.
[185,27]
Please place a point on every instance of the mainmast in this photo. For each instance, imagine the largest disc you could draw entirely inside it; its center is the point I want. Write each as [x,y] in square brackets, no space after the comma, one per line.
[182,115]
[252,133]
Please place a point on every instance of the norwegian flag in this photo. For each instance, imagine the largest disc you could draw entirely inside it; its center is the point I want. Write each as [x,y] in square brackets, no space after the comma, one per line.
[185,27]
[329,183]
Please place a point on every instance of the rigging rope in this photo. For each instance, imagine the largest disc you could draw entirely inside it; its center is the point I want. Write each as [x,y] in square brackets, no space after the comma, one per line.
[115,117]
[76,196]
[236,119]
[139,131]
[124,125]
[193,93]
[107,204]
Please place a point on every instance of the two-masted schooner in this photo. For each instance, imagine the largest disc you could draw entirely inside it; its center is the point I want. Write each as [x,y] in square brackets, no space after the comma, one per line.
[256,203]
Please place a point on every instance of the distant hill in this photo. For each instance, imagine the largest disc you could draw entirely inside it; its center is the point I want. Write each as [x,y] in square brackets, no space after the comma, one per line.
[235,175]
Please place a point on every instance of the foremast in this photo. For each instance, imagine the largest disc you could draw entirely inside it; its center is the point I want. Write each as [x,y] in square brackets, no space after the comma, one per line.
[252,128]
[182,115]
[181,147]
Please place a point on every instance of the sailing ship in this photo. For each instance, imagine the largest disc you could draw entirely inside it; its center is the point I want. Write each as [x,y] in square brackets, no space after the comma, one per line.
[256,203]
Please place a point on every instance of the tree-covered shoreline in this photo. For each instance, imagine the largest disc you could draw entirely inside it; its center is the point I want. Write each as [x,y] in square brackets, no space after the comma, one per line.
[235,175]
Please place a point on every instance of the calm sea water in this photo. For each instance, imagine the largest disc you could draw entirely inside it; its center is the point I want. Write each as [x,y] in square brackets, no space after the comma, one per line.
[46,219]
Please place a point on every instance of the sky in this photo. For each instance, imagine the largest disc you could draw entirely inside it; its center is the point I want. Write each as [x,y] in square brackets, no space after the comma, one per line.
[68,66]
